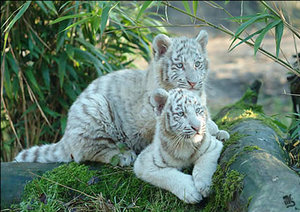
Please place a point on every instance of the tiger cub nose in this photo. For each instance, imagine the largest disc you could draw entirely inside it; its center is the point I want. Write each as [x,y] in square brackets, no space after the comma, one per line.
[195,128]
[192,84]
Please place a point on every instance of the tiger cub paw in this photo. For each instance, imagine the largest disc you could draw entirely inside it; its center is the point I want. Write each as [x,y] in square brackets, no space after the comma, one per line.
[127,158]
[203,187]
[222,135]
[187,191]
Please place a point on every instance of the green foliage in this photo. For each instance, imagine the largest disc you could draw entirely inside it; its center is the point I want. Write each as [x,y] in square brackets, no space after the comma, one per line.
[271,22]
[292,143]
[72,186]
[52,51]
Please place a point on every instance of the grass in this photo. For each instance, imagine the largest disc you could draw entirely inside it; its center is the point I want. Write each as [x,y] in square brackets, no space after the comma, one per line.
[74,186]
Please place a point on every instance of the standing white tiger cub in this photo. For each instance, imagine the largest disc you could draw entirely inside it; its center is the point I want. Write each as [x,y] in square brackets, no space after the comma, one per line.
[114,109]
[181,138]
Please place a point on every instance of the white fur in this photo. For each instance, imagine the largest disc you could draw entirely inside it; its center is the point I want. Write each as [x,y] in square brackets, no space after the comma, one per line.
[115,109]
[161,165]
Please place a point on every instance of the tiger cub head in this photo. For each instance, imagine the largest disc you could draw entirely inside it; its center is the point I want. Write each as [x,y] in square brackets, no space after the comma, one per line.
[180,114]
[181,62]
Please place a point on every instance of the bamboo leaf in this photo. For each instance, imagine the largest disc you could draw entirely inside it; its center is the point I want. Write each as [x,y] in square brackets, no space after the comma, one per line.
[16,88]
[295,134]
[77,23]
[62,6]
[95,23]
[88,57]
[50,112]
[63,103]
[63,123]
[247,24]
[72,72]
[247,38]
[186,7]
[7,83]
[70,91]
[12,63]
[278,36]
[245,17]
[104,18]
[42,6]
[144,7]
[62,36]
[262,34]
[62,68]
[18,16]
[30,76]
[46,76]
[51,6]
[69,17]
[95,51]
[195,7]
[30,109]
[125,16]
[5,41]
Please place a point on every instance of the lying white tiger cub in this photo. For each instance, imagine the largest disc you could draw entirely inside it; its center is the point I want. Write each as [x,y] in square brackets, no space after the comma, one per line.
[181,138]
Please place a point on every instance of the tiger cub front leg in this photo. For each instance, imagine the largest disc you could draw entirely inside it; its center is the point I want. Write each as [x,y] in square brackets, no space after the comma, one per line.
[206,166]
[213,129]
[149,168]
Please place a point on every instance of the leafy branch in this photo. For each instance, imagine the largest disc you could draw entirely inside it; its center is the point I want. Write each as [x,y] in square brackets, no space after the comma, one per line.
[246,40]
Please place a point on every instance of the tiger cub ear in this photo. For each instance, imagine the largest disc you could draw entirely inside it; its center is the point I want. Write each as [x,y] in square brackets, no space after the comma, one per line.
[202,39]
[160,45]
[158,100]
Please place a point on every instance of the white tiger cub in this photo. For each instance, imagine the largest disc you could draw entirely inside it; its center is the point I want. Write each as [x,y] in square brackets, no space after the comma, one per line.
[114,109]
[181,138]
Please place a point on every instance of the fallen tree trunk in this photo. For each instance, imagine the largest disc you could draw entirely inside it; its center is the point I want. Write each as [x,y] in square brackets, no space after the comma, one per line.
[256,159]
[14,177]
[253,174]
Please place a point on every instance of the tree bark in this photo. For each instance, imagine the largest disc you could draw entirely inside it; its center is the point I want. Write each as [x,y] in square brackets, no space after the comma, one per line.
[268,184]
[14,177]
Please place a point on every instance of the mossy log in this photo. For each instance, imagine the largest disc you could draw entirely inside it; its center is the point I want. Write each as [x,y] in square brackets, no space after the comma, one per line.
[14,176]
[253,174]
[256,154]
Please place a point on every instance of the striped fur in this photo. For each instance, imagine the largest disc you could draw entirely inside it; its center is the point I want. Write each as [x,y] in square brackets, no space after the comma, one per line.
[182,138]
[114,109]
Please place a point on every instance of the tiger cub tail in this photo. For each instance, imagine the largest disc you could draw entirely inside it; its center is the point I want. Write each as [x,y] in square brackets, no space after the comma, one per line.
[48,153]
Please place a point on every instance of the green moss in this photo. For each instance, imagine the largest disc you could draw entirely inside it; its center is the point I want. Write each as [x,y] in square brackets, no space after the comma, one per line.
[241,111]
[227,183]
[249,201]
[251,148]
[67,188]
[226,186]
[234,138]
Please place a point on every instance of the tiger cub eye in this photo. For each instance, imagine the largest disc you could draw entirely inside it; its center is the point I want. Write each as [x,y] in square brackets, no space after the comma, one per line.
[180,114]
[197,64]
[179,65]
